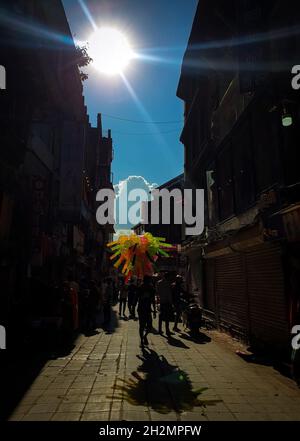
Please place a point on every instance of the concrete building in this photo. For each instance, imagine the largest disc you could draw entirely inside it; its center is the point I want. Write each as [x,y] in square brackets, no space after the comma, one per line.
[171,231]
[241,137]
[52,161]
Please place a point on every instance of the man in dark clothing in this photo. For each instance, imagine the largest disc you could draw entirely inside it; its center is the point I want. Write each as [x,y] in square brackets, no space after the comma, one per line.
[164,293]
[67,314]
[123,298]
[84,293]
[146,299]
[92,304]
[177,296]
[107,302]
[132,298]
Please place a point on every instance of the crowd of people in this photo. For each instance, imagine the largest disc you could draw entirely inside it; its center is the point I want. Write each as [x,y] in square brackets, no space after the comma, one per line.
[84,305]
[144,298]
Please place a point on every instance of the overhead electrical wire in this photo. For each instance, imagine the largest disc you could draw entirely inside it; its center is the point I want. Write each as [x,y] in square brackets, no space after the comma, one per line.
[141,122]
[145,133]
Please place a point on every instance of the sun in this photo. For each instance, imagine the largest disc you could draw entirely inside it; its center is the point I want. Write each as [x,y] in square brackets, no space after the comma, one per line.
[110,51]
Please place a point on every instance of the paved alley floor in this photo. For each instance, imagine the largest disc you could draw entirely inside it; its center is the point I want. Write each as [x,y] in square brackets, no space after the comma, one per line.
[109,377]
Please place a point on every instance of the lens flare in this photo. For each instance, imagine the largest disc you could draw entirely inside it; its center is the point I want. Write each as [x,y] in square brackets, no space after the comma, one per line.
[110,51]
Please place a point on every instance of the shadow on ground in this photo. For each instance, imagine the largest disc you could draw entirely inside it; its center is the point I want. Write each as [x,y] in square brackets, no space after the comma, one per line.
[20,367]
[256,356]
[18,372]
[177,343]
[161,386]
[201,338]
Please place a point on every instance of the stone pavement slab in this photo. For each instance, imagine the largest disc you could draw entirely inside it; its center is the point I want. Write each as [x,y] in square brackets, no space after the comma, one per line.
[108,377]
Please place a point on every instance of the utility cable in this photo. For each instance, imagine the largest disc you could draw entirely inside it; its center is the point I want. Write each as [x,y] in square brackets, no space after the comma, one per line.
[142,122]
[144,133]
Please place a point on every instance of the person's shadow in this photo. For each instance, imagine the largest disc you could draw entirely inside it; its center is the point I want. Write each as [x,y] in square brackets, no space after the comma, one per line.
[160,385]
[200,338]
[177,343]
[91,332]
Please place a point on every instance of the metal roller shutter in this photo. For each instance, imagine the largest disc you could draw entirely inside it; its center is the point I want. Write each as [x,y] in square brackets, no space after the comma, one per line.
[231,293]
[210,299]
[267,303]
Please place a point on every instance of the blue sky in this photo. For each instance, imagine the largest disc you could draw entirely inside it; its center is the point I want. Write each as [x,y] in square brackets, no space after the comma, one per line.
[157,28]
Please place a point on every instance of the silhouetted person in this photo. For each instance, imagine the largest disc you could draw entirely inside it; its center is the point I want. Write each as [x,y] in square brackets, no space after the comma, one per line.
[74,289]
[132,298]
[67,313]
[177,297]
[107,302]
[146,299]
[123,298]
[165,298]
[92,305]
[115,292]
[84,293]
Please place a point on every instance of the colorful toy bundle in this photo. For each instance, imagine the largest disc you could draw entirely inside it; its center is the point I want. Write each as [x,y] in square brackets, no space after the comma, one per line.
[137,254]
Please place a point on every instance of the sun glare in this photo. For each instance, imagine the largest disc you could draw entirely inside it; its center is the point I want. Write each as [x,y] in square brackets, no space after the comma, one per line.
[109,50]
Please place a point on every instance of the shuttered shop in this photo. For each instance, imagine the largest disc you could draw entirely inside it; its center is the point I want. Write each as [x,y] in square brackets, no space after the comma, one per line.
[267,303]
[232,303]
[210,301]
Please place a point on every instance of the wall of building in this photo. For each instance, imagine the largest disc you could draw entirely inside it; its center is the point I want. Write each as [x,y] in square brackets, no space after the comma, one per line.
[237,149]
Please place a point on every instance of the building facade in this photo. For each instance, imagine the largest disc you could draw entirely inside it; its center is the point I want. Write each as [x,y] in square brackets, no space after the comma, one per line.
[241,136]
[171,231]
[51,161]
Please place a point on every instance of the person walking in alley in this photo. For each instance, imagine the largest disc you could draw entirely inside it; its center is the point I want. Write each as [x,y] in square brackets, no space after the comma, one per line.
[115,291]
[83,302]
[74,289]
[177,296]
[146,300]
[92,305]
[123,292]
[107,302]
[164,293]
[67,310]
[132,298]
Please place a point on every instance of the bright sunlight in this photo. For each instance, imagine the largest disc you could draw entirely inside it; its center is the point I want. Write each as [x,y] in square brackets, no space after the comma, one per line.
[110,51]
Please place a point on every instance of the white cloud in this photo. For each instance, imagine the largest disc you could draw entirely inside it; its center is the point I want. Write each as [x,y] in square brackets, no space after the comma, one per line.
[127,185]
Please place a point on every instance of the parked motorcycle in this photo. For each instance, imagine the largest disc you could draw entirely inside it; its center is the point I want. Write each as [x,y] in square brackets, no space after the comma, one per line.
[192,316]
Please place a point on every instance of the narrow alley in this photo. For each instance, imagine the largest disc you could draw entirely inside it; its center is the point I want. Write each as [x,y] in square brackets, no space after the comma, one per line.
[149,217]
[107,376]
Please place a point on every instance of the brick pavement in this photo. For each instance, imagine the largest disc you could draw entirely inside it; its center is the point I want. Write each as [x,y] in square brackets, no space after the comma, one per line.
[108,377]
